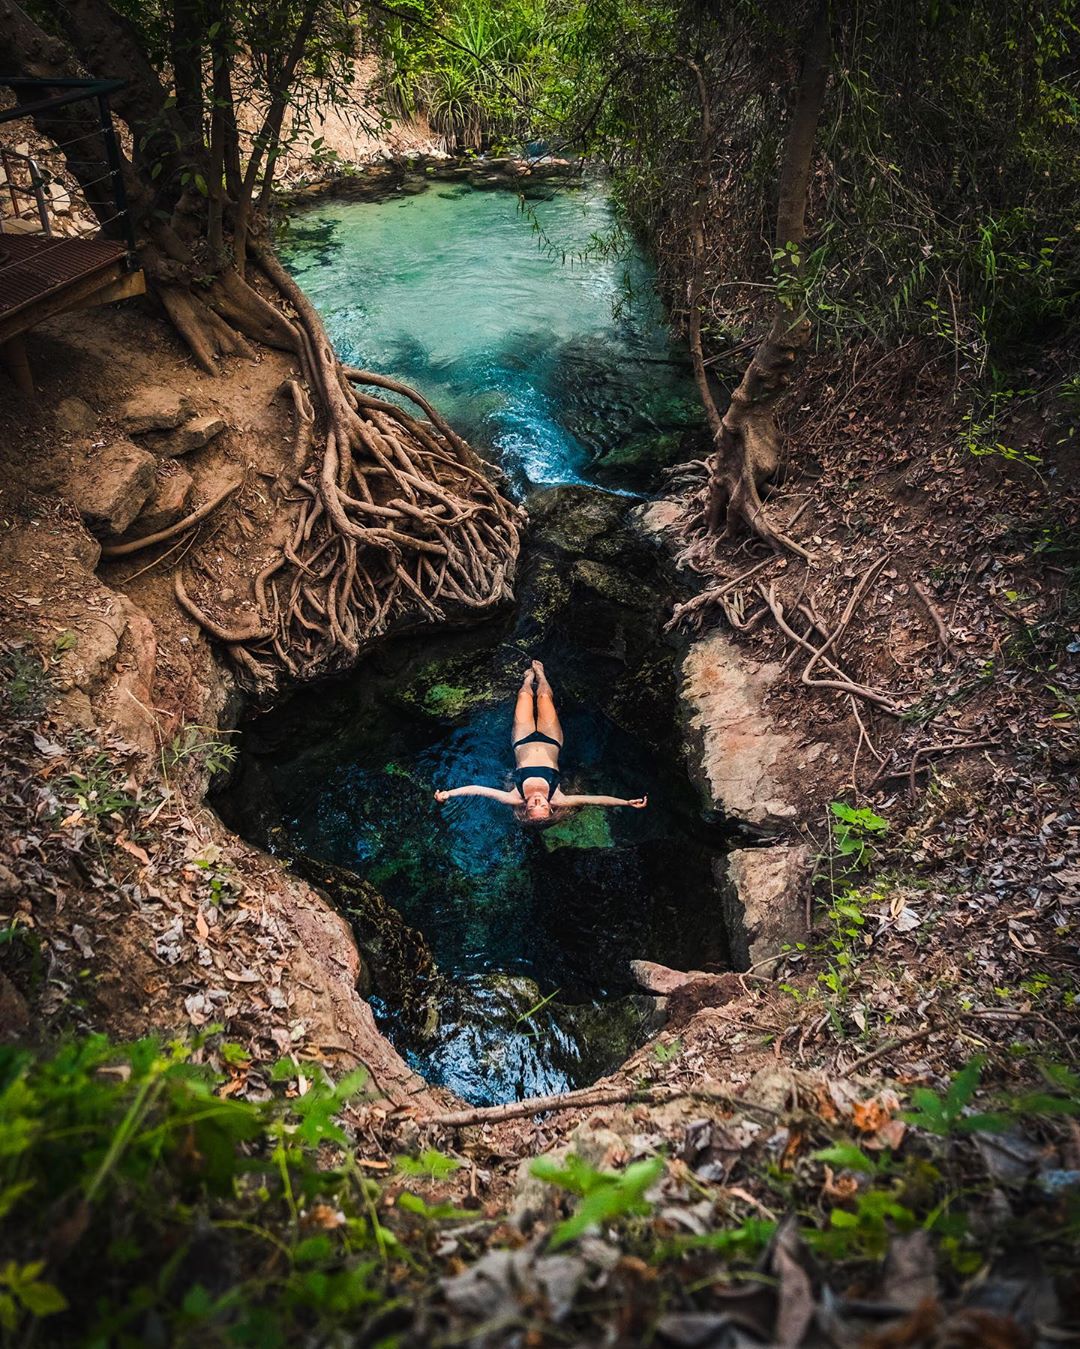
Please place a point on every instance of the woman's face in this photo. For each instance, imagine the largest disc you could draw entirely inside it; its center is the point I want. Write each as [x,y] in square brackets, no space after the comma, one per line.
[538,807]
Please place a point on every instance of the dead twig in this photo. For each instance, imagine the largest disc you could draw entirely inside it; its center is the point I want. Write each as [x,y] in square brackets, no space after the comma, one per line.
[935,614]
[588,1097]
[887,1048]
[159,536]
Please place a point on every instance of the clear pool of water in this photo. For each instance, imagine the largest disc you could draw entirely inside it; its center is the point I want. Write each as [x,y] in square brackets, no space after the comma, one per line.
[511,317]
[563,372]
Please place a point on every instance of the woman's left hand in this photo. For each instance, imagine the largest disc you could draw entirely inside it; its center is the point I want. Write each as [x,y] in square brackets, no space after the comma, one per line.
[639,802]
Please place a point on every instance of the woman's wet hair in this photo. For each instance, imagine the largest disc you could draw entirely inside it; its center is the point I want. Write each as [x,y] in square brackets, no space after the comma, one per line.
[554,815]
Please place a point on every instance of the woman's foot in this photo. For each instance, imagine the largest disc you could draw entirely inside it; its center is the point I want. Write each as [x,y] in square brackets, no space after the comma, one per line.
[528,679]
[541,676]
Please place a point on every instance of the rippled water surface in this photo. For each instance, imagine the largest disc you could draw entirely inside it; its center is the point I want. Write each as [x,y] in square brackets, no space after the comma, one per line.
[554,363]
[547,366]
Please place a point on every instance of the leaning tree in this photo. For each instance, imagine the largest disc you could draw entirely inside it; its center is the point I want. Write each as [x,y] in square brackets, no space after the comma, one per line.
[394,513]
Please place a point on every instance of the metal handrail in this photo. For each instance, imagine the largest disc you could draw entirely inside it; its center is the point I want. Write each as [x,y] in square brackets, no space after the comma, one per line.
[35,190]
[74,91]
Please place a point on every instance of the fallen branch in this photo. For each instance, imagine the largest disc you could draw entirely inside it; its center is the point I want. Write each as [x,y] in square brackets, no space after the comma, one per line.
[887,1048]
[935,615]
[587,1097]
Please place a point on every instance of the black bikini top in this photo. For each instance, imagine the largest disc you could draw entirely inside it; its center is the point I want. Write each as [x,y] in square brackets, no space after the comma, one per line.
[551,776]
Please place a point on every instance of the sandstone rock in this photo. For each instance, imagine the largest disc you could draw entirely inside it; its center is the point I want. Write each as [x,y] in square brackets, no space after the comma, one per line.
[706,990]
[662,979]
[168,502]
[111,487]
[534,1200]
[127,697]
[155,408]
[764,901]
[738,757]
[658,519]
[193,435]
[610,583]
[75,417]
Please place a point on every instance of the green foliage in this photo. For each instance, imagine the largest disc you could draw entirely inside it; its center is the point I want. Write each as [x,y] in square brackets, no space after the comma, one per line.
[863,1232]
[431,1163]
[945,1114]
[605,1195]
[197,745]
[98,790]
[481,71]
[124,1176]
[744,1242]
[948,1114]
[25,685]
[852,831]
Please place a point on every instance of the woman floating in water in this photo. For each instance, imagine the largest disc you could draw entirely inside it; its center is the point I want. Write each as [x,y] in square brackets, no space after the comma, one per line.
[537,739]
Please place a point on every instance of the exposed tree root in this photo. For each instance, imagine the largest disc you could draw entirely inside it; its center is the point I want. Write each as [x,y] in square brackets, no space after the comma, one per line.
[396,514]
[147,540]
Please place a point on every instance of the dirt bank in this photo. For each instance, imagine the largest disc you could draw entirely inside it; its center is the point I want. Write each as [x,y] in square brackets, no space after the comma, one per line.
[141,913]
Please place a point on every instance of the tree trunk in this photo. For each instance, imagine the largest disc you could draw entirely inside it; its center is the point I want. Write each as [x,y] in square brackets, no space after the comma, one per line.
[747,439]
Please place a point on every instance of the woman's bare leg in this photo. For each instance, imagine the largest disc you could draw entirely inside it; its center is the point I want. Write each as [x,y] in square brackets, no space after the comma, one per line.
[524,708]
[547,719]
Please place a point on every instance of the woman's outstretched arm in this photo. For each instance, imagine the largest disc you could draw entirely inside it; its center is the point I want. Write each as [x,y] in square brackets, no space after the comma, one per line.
[637,802]
[507,798]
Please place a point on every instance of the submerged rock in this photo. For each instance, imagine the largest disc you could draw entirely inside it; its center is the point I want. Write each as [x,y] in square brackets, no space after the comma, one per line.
[587,828]
[501,1039]
[582,521]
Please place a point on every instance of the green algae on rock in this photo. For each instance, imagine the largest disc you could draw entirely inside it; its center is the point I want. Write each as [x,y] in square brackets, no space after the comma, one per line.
[588,828]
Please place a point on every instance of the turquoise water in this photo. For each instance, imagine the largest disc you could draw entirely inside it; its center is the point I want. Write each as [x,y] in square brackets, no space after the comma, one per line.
[564,374]
[557,366]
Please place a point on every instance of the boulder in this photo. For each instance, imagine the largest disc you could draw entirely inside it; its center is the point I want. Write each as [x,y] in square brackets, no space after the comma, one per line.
[738,756]
[155,407]
[765,902]
[168,502]
[192,435]
[75,418]
[662,979]
[111,486]
[581,521]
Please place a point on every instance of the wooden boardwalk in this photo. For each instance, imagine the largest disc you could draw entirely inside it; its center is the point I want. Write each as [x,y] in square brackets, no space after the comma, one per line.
[41,277]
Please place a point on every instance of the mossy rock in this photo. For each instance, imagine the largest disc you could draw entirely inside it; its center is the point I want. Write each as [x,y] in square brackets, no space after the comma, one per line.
[546,593]
[580,520]
[444,691]
[445,700]
[398,963]
[586,828]
[613,585]
[642,456]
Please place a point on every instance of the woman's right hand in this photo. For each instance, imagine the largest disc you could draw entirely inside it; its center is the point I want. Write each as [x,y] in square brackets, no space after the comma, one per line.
[442,796]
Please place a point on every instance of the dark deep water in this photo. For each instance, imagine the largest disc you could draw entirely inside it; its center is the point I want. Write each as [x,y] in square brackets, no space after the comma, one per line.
[531,931]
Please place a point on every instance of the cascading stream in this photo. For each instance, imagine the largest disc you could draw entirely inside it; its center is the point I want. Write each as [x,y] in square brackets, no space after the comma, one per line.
[531,931]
